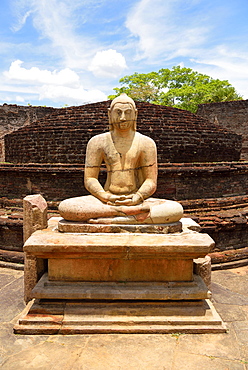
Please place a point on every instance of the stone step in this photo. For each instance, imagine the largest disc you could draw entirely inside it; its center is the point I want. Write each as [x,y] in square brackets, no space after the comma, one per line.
[194,290]
[107,320]
[120,317]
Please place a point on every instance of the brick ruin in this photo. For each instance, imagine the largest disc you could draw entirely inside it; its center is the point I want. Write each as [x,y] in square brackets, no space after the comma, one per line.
[231,115]
[13,117]
[198,165]
[62,136]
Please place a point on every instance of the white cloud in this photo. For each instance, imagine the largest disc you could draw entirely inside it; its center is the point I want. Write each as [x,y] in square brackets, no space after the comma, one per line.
[222,57]
[19,99]
[6,85]
[224,64]
[65,77]
[8,98]
[55,86]
[21,20]
[71,96]
[108,63]
[163,29]
[167,31]
[57,21]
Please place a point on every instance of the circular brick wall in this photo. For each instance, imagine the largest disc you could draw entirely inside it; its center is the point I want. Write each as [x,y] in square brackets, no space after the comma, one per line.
[181,136]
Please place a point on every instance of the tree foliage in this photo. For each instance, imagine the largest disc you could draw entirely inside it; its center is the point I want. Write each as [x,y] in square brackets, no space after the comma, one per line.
[177,87]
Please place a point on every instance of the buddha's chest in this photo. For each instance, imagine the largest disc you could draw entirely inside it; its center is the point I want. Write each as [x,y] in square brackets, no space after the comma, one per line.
[121,156]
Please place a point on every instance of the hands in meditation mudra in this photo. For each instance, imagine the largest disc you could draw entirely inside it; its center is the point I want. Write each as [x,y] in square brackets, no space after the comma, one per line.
[131,161]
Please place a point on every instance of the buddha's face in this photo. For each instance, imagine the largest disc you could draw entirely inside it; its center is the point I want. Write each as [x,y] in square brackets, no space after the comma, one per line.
[122,117]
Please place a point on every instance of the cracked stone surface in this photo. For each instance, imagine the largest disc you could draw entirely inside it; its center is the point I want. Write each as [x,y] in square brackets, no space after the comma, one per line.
[227,351]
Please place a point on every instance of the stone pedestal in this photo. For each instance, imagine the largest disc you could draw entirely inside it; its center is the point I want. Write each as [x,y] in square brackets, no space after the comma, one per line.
[118,282]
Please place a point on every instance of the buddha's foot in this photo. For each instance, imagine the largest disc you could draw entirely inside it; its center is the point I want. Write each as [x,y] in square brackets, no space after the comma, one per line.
[126,211]
[120,219]
[113,220]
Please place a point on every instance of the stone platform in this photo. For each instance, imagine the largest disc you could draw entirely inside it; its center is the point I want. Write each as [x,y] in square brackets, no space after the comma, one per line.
[116,283]
[115,257]
[89,317]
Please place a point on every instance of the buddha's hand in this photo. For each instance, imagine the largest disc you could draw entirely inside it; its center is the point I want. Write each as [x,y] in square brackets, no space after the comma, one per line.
[129,200]
[116,200]
[109,198]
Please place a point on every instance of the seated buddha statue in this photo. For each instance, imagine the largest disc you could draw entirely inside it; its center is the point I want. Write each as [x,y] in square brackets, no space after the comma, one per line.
[131,162]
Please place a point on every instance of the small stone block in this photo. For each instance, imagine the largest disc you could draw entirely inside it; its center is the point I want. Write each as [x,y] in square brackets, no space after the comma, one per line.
[189,224]
[202,267]
[34,218]
[34,214]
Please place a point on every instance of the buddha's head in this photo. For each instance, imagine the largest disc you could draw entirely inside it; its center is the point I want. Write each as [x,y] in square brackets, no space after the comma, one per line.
[122,113]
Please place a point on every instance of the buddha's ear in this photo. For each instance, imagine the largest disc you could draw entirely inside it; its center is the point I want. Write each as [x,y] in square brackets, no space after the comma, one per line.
[136,113]
[109,117]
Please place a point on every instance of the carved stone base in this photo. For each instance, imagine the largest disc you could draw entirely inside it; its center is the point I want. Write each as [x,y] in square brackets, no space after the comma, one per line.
[79,227]
[129,282]
[82,317]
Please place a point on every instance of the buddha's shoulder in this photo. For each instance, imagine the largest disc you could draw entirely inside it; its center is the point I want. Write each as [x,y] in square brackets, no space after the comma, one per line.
[99,139]
[145,140]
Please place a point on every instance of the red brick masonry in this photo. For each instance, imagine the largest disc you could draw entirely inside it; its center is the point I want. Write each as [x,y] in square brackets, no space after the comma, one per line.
[181,136]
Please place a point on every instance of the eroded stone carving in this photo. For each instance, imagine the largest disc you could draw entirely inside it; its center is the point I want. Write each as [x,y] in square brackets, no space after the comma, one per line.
[131,161]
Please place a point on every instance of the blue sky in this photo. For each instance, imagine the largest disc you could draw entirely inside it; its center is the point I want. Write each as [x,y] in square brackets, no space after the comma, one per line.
[57,52]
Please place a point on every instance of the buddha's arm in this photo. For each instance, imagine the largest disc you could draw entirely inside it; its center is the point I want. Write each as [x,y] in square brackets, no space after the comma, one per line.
[93,161]
[91,182]
[149,169]
[150,184]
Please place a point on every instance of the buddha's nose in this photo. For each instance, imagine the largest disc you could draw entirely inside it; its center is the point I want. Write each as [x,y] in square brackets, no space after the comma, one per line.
[123,116]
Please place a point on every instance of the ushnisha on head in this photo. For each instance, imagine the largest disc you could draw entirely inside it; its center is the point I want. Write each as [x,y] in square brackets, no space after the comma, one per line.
[122,112]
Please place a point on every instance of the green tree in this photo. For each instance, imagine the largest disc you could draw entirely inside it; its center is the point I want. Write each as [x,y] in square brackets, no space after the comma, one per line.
[177,87]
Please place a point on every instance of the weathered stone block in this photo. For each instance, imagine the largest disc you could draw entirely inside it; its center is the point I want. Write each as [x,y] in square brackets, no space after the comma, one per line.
[202,267]
[34,218]
[34,214]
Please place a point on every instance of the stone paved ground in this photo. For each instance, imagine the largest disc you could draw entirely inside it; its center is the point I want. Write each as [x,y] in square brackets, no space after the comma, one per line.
[130,351]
